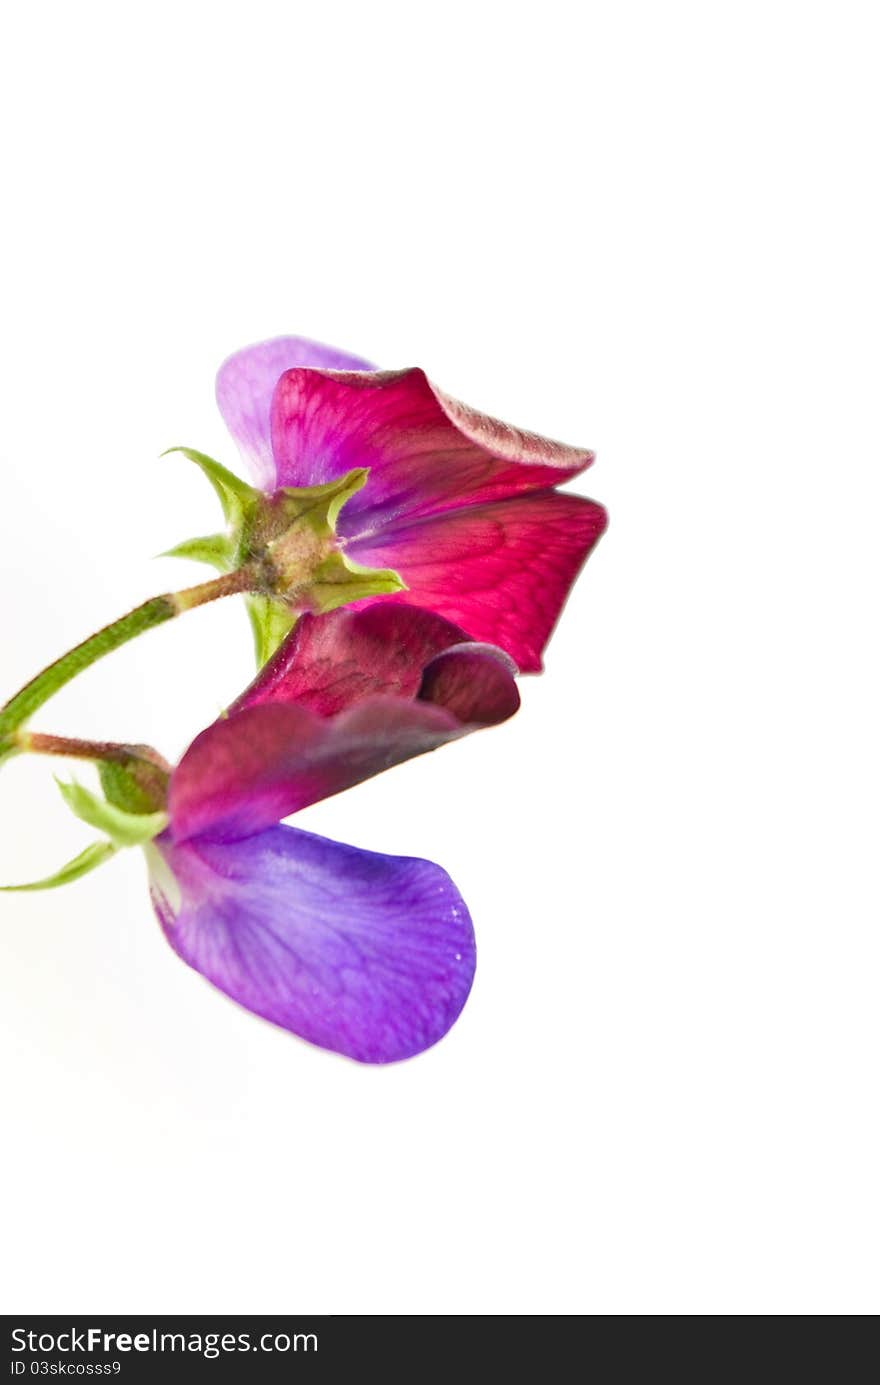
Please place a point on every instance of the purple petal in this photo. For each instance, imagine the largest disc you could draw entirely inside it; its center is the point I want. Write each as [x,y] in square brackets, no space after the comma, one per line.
[330,662]
[245,384]
[426,452]
[371,956]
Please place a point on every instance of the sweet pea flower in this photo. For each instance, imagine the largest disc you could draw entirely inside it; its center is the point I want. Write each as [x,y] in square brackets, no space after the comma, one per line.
[462,507]
[369,955]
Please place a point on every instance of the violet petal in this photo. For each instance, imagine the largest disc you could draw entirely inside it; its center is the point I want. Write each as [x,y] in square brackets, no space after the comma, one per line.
[372,956]
[245,385]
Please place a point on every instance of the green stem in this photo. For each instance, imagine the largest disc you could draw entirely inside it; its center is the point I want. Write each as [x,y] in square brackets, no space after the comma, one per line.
[153,612]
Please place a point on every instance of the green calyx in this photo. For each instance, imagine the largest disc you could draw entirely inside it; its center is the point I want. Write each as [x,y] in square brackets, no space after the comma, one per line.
[339,579]
[237,499]
[289,538]
[312,571]
[138,785]
[271,623]
[217,550]
[88,860]
[122,828]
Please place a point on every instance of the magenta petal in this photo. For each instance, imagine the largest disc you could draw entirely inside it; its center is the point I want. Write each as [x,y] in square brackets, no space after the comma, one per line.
[348,695]
[475,682]
[259,765]
[371,956]
[502,572]
[330,662]
[245,384]
[425,452]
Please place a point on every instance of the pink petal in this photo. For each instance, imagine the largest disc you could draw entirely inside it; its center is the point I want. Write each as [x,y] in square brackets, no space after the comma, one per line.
[329,662]
[501,572]
[474,682]
[246,381]
[426,452]
[255,767]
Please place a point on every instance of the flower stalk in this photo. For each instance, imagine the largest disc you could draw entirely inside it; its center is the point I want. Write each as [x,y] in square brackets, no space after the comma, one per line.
[19,709]
[73,748]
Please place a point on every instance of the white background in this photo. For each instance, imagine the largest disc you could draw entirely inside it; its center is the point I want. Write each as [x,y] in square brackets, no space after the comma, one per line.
[650,229]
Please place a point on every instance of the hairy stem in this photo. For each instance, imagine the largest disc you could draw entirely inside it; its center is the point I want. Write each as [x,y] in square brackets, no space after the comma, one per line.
[153,612]
[73,748]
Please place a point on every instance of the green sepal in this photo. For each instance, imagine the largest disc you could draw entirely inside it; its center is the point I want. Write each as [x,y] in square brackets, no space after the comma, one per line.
[271,623]
[320,505]
[137,787]
[217,550]
[292,533]
[88,860]
[300,521]
[297,525]
[238,499]
[123,828]
[339,580]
